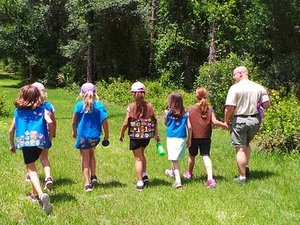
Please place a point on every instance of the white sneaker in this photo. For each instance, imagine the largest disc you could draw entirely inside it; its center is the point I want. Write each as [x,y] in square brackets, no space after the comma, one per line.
[170,173]
[177,185]
[47,207]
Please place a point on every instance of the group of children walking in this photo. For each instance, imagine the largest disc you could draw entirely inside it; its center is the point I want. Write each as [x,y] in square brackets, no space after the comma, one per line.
[34,126]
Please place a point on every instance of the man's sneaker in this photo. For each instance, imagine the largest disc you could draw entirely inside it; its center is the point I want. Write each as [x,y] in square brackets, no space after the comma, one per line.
[32,197]
[177,185]
[170,173]
[210,183]
[187,175]
[45,199]
[247,172]
[239,180]
[145,179]
[88,188]
[27,178]
[94,180]
[48,183]
[139,187]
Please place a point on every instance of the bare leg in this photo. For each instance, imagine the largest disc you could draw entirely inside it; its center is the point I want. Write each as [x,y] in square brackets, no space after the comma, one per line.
[34,179]
[191,164]
[85,165]
[92,161]
[208,166]
[139,159]
[45,163]
[144,161]
[241,160]
[248,153]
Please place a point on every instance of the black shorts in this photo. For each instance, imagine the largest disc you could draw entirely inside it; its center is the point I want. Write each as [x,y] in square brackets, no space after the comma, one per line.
[137,143]
[31,154]
[200,143]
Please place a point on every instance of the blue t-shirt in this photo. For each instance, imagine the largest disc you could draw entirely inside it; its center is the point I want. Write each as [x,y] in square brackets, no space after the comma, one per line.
[30,127]
[89,124]
[176,127]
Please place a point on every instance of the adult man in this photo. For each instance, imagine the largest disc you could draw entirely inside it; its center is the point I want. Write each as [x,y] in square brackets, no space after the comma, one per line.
[242,108]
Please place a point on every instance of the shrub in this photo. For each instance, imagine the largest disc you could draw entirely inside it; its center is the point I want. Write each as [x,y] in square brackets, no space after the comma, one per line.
[217,78]
[3,110]
[118,91]
[280,128]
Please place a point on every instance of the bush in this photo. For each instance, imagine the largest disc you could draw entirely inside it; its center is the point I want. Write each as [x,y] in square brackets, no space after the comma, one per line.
[118,91]
[3,110]
[280,128]
[217,78]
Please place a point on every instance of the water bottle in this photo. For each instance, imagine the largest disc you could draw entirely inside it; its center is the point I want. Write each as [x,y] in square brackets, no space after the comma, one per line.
[160,149]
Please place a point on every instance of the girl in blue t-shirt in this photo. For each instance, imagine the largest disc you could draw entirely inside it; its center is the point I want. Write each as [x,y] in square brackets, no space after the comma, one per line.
[30,119]
[89,118]
[44,155]
[178,130]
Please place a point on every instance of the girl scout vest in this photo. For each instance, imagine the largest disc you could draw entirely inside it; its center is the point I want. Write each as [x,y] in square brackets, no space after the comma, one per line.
[30,128]
[144,127]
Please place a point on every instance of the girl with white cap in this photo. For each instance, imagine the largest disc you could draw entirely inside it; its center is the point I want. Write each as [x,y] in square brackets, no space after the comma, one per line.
[142,126]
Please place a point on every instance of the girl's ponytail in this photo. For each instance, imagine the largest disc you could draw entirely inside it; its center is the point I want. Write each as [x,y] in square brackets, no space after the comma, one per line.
[201,95]
[88,99]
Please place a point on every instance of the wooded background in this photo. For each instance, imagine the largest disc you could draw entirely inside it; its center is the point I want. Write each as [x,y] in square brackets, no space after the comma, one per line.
[63,41]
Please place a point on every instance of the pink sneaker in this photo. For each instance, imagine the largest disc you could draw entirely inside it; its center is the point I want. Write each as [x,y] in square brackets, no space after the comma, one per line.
[210,183]
[187,175]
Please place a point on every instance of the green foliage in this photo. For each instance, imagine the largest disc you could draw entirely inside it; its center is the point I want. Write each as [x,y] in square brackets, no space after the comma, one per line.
[117,91]
[3,102]
[280,128]
[272,194]
[217,78]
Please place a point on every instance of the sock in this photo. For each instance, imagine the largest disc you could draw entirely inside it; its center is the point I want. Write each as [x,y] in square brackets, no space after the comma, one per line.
[177,176]
[242,178]
[140,183]
[144,174]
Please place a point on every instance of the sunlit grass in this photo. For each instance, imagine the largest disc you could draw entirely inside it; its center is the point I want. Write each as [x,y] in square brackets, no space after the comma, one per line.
[271,197]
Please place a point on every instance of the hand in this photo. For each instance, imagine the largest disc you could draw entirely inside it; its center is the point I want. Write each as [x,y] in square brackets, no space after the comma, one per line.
[121,137]
[12,148]
[74,135]
[157,138]
[188,143]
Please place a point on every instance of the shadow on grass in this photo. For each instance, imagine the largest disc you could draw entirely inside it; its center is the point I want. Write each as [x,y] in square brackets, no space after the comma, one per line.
[63,181]
[62,197]
[159,182]
[260,174]
[8,76]
[110,184]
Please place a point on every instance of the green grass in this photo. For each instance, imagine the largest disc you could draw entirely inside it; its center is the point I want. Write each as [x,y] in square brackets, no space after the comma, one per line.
[271,197]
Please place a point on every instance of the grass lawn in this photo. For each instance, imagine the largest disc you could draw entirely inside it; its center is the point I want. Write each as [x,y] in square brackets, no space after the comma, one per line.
[271,196]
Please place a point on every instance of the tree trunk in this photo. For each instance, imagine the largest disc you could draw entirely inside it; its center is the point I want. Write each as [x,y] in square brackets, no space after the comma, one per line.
[154,4]
[90,72]
[212,57]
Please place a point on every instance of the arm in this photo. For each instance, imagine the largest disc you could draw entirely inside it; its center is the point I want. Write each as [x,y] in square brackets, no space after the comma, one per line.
[266,104]
[156,135]
[105,129]
[74,124]
[228,114]
[217,122]
[52,116]
[124,127]
[189,130]
[50,125]
[11,133]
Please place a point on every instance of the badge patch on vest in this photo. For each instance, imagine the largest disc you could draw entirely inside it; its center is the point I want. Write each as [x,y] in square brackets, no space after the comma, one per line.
[141,128]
